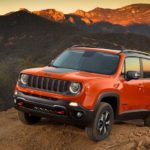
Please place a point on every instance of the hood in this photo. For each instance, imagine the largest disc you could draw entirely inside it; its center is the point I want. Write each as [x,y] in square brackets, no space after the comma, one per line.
[64,73]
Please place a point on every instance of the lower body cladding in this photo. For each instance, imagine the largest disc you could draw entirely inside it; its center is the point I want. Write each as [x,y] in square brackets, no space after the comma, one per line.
[59,110]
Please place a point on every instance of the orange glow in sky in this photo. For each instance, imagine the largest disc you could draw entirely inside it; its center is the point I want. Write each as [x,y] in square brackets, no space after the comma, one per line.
[66,6]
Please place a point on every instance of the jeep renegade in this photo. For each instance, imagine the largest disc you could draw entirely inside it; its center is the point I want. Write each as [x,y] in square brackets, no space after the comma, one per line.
[91,87]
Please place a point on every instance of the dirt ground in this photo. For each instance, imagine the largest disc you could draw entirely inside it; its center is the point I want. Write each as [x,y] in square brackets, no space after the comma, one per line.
[48,135]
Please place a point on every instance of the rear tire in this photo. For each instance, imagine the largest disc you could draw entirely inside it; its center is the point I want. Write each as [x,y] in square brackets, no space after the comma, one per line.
[147,121]
[101,126]
[27,118]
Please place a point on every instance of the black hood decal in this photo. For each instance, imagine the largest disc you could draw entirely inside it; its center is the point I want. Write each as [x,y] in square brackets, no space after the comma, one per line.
[59,70]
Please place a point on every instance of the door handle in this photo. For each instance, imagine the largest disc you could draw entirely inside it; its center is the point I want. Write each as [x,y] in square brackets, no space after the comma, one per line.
[141,86]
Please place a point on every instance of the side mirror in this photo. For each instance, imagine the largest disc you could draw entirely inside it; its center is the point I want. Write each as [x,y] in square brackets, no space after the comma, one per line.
[133,75]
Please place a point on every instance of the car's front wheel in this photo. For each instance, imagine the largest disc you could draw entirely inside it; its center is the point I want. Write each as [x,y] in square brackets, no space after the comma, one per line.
[101,126]
[27,118]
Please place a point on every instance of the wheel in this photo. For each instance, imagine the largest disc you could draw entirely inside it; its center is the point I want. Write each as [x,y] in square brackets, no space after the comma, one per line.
[147,121]
[101,126]
[27,118]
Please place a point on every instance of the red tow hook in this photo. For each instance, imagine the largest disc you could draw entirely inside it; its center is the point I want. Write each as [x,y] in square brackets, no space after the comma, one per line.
[60,112]
[20,104]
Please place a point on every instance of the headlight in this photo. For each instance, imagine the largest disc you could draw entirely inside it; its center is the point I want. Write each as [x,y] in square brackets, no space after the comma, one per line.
[75,88]
[24,79]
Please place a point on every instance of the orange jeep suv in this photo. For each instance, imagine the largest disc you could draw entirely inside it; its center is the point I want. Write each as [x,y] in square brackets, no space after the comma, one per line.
[86,86]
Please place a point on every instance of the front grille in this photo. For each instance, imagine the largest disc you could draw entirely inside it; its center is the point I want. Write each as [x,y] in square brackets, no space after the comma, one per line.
[48,84]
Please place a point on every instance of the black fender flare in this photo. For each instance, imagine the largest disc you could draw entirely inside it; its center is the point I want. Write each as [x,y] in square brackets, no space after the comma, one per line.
[105,95]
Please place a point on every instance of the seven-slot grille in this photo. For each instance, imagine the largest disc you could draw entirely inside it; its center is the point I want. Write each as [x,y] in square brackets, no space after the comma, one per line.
[48,84]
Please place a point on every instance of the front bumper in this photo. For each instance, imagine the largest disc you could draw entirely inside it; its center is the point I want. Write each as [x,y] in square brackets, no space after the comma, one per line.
[58,110]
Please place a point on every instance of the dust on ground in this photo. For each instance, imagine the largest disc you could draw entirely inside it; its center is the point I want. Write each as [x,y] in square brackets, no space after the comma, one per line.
[48,135]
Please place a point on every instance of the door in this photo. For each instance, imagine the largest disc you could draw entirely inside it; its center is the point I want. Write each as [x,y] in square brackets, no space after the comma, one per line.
[132,90]
[146,81]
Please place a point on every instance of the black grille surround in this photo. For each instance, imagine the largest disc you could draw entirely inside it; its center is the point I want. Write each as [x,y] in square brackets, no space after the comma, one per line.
[48,84]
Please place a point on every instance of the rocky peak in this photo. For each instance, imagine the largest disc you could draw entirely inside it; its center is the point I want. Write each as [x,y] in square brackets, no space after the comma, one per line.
[80,13]
[24,10]
[51,14]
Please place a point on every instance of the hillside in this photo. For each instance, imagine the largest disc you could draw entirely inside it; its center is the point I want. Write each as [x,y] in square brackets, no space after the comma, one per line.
[23,31]
[28,40]
[48,135]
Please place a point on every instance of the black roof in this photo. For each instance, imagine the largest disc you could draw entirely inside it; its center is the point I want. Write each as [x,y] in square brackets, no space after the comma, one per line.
[123,50]
[135,52]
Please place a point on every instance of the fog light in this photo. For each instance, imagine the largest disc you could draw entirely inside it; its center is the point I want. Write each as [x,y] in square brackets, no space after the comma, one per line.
[16,93]
[73,104]
[79,114]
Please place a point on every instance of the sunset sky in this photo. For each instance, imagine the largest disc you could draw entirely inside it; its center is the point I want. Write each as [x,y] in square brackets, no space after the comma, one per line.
[63,5]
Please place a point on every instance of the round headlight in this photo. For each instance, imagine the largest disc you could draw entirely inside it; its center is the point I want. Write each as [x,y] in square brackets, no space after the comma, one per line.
[24,79]
[75,88]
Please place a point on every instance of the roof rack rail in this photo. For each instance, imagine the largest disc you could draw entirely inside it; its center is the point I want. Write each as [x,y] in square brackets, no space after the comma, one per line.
[122,50]
[137,52]
[88,46]
[82,45]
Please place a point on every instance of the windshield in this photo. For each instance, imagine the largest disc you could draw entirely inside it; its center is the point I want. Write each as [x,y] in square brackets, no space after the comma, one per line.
[88,60]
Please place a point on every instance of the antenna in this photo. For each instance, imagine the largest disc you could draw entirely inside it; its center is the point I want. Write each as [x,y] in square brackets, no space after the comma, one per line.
[81,45]
[74,45]
[123,48]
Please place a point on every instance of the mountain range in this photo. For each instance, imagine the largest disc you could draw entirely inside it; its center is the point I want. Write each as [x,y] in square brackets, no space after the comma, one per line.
[134,18]
[128,15]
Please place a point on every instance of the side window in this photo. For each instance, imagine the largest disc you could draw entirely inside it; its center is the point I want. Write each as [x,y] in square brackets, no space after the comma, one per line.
[132,64]
[146,68]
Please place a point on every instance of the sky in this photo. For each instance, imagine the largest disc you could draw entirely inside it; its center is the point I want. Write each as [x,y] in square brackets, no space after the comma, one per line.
[66,6]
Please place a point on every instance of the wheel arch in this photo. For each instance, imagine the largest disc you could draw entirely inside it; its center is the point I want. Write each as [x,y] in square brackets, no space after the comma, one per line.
[111,98]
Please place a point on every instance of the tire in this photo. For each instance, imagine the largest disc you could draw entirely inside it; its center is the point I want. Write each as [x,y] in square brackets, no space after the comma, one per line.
[27,118]
[101,126]
[147,121]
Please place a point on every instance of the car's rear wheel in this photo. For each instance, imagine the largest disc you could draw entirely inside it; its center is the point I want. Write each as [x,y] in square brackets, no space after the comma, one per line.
[101,126]
[147,121]
[27,118]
